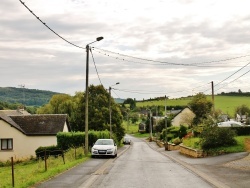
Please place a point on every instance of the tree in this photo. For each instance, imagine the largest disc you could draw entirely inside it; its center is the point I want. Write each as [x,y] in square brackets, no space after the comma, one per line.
[98,110]
[201,107]
[131,102]
[58,104]
[242,110]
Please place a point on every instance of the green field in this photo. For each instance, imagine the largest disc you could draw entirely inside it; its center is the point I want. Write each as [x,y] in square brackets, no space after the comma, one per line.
[227,104]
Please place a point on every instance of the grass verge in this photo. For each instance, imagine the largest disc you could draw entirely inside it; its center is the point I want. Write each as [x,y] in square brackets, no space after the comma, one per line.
[32,172]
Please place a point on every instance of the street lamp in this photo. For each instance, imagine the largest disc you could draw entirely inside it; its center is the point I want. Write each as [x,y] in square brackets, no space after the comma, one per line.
[87,98]
[110,111]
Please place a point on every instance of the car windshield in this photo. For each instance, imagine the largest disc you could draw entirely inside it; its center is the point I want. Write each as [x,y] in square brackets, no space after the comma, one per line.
[104,142]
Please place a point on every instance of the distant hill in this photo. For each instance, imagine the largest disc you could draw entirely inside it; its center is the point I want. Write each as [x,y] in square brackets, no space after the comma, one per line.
[28,97]
[119,100]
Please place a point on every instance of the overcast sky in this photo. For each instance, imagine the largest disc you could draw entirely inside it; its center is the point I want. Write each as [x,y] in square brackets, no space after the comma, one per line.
[152,47]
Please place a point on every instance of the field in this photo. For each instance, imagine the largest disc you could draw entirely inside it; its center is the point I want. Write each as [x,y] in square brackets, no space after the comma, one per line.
[226,104]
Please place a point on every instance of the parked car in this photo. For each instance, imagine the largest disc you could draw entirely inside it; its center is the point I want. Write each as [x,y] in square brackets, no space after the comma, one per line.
[126,140]
[230,124]
[104,147]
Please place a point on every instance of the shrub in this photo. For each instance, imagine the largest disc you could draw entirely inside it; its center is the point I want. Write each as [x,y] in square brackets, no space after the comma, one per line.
[50,150]
[212,137]
[177,141]
[182,131]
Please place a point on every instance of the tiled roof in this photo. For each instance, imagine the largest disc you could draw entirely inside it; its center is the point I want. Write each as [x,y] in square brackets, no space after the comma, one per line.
[49,124]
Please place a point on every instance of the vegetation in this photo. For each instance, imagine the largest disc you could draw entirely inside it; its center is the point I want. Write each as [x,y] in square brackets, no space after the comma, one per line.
[227,104]
[74,106]
[201,107]
[194,142]
[27,97]
[32,172]
[213,136]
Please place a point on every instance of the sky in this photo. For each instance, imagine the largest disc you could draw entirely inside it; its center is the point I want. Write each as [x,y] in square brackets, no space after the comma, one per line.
[153,48]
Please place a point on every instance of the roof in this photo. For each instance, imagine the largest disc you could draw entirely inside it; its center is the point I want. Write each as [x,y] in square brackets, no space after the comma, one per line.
[18,112]
[7,119]
[49,124]
[42,124]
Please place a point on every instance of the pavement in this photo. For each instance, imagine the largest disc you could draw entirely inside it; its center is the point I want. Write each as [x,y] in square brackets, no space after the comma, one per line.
[228,170]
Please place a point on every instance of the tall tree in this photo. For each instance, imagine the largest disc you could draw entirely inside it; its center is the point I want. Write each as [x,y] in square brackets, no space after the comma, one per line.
[98,110]
[201,107]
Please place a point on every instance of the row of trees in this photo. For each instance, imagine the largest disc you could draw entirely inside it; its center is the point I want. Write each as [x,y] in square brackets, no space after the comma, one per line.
[74,106]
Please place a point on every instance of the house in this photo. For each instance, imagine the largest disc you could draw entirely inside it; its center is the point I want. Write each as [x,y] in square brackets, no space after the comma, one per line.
[184,117]
[21,135]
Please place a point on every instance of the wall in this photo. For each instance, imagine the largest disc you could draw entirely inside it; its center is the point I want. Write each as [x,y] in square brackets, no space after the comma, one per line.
[23,146]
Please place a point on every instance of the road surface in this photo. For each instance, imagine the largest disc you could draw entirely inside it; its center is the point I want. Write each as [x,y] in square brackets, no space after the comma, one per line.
[142,167]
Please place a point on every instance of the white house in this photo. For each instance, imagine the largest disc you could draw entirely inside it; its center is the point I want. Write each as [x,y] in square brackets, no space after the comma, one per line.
[21,135]
[184,117]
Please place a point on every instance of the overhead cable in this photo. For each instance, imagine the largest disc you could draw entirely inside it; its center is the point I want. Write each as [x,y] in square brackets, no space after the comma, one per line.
[197,64]
[96,67]
[233,80]
[50,28]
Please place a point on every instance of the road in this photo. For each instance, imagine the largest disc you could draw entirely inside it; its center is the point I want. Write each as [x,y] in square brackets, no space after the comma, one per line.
[142,167]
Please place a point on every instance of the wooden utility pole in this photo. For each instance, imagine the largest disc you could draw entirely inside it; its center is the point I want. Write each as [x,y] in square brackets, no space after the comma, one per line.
[213,97]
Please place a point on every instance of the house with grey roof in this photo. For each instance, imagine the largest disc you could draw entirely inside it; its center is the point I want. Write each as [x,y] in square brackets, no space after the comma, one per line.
[21,135]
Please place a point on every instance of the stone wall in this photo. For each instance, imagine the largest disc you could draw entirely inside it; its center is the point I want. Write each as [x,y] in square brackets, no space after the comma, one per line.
[191,152]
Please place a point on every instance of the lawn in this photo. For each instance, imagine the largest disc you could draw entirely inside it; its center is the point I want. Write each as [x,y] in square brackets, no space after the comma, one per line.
[240,147]
[31,172]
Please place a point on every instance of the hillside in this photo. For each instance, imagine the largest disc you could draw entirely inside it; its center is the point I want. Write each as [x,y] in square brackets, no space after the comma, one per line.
[226,103]
[29,97]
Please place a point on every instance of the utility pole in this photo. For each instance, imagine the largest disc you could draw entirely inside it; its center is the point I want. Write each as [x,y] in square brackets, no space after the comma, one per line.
[86,148]
[23,86]
[110,110]
[212,83]
[166,124]
[150,126]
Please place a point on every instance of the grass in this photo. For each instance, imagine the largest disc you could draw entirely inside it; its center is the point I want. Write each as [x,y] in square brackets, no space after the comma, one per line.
[240,147]
[227,104]
[32,172]
[132,129]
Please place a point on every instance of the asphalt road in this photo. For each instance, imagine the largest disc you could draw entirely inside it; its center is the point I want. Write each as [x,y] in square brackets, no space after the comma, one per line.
[143,167]
[144,164]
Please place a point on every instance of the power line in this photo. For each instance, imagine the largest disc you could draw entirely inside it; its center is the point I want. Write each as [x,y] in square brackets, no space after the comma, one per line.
[116,55]
[50,28]
[96,67]
[232,74]
[233,80]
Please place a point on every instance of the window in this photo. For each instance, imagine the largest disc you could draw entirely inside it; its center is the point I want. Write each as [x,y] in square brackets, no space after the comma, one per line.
[7,144]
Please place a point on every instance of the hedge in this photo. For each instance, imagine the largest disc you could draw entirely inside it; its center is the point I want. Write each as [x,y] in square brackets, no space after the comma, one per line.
[66,140]
[50,150]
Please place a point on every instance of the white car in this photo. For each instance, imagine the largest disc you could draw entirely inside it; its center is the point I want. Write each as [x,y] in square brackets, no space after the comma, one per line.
[104,147]
[230,124]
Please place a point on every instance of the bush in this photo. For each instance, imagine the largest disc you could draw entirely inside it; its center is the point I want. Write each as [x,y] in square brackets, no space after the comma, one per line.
[50,150]
[213,137]
[177,141]
[182,131]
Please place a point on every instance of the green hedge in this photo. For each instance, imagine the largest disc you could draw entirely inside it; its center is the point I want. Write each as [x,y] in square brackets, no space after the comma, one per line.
[50,151]
[66,140]
[242,131]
